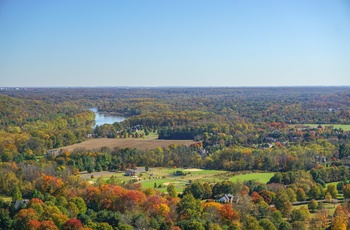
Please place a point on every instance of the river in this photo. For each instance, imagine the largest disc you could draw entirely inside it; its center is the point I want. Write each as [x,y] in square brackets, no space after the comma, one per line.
[106,118]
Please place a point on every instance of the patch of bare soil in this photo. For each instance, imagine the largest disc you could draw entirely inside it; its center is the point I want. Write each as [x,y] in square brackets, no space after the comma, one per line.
[144,144]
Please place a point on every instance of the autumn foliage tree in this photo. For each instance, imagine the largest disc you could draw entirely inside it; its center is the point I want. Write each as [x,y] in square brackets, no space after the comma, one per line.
[228,214]
[24,216]
[50,184]
[132,200]
[156,206]
[48,225]
[33,225]
[72,224]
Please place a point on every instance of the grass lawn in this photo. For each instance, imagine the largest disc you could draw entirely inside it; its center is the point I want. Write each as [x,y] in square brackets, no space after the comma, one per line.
[165,176]
[161,184]
[261,177]
[335,183]
[151,136]
[6,198]
[336,126]
[328,206]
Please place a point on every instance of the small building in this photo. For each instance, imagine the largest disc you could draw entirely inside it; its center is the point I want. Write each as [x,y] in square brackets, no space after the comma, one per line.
[21,203]
[129,172]
[52,153]
[227,198]
[269,139]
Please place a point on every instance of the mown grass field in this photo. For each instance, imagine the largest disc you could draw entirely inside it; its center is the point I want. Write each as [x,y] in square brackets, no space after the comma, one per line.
[160,178]
[336,126]
[261,177]
[6,198]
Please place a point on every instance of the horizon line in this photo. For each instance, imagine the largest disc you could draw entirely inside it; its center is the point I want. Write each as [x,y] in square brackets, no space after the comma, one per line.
[268,86]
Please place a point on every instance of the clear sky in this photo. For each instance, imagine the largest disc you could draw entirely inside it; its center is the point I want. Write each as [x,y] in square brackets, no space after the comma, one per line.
[174,43]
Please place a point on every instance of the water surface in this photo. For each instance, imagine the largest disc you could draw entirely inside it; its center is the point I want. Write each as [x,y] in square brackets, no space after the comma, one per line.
[106,118]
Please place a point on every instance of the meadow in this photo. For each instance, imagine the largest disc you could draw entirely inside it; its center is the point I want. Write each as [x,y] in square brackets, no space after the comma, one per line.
[336,126]
[261,177]
[6,198]
[160,178]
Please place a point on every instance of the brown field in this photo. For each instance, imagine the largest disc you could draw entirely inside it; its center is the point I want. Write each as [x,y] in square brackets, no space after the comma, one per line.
[144,144]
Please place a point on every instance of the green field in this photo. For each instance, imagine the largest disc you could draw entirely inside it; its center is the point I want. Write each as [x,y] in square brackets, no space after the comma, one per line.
[161,177]
[328,206]
[165,176]
[261,177]
[335,183]
[336,126]
[6,198]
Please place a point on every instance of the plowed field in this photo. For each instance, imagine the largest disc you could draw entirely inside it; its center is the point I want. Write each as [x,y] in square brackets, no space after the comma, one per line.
[111,143]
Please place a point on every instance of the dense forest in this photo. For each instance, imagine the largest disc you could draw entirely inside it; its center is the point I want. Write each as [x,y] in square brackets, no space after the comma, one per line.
[235,129]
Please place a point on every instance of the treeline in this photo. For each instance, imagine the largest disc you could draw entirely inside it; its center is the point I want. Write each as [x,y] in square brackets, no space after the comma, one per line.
[291,105]
[121,159]
[29,128]
[234,158]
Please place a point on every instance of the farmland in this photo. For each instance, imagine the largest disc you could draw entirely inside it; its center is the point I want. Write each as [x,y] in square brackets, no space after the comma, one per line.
[143,144]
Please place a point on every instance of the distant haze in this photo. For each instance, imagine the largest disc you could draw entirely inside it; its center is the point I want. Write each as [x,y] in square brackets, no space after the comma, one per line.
[174,43]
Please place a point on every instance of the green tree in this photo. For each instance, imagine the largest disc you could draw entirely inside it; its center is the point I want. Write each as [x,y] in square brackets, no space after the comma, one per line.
[346,191]
[343,151]
[196,189]
[37,194]
[207,191]
[332,189]
[340,185]
[276,218]
[189,208]
[300,225]
[301,196]
[300,214]
[328,197]
[191,225]
[315,192]
[61,201]
[291,195]
[251,223]
[5,219]
[284,225]
[98,167]
[171,190]
[103,226]
[266,224]
[282,203]
[16,193]
[312,204]
[80,203]
[90,168]
[125,227]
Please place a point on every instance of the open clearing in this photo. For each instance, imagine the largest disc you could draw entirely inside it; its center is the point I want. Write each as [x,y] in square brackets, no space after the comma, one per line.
[6,198]
[159,178]
[261,177]
[138,143]
[336,126]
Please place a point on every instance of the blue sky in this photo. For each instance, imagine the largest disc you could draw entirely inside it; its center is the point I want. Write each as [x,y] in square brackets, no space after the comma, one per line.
[174,43]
